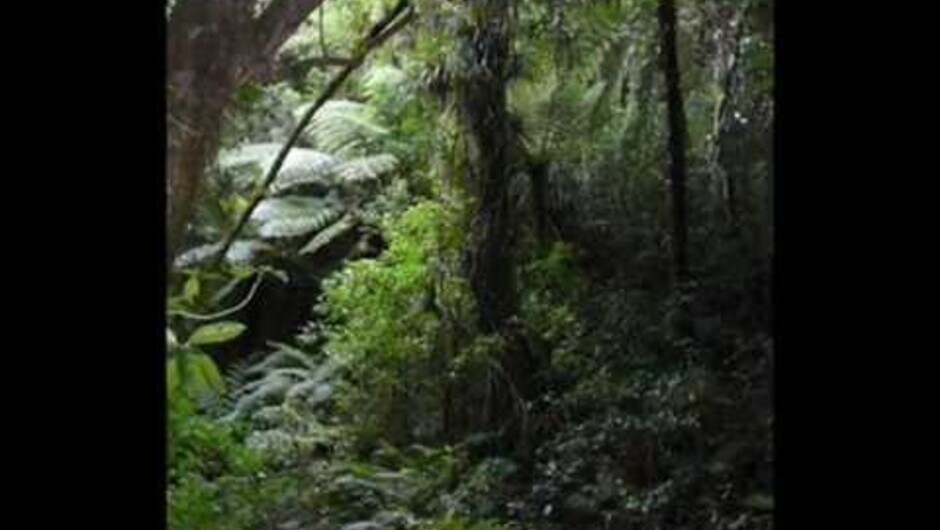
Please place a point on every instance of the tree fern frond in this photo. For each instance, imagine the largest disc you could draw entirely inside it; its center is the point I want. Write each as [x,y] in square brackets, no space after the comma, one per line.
[555,114]
[253,386]
[247,154]
[284,227]
[381,79]
[285,355]
[301,166]
[259,393]
[307,166]
[366,167]
[291,207]
[327,235]
[312,391]
[298,373]
[343,127]
[242,251]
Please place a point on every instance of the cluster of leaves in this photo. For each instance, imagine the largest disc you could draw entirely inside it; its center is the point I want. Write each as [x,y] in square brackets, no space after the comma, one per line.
[216,482]
[380,319]
[418,488]
[315,197]
[633,440]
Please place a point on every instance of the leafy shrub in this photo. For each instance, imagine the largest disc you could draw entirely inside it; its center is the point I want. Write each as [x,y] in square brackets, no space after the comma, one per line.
[381,320]
[215,481]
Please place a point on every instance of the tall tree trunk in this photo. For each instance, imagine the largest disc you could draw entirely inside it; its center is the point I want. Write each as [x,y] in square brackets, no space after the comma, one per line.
[482,108]
[727,129]
[481,100]
[213,48]
[205,45]
[677,139]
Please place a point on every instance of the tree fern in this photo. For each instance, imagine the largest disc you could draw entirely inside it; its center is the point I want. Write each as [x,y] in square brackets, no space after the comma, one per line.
[288,216]
[344,127]
[556,115]
[306,167]
[302,166]
[307,195]
[295,225]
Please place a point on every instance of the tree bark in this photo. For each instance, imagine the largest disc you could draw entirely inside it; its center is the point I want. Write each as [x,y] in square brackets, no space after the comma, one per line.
[677,139]
[727,130]
[481,102]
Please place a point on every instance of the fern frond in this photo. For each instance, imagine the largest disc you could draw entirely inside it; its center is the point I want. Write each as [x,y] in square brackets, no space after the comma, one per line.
[366,167]
[315,392]
[259,393]
[286,376]
[302,166]
[284,355]
[555,114]
[241,252]
[284,227]
[291,207]
[382,79]
[305,166]
[248,154]
[298,373]
[343,127]
[329,234]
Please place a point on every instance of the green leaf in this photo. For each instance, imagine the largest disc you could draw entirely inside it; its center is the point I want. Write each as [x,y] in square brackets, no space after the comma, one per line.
[173,378]
[191,289]
[205,374]
[216,333]
[193,372]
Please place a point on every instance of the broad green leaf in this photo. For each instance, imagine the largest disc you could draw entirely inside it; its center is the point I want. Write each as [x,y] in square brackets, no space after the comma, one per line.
[216,333]
[205,374]
[195,373]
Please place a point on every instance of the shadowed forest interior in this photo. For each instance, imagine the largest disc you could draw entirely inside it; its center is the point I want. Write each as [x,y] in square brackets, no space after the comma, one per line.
[470,265]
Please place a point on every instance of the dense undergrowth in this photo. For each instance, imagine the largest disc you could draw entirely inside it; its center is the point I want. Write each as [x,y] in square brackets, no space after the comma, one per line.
[339,430]
[612,398]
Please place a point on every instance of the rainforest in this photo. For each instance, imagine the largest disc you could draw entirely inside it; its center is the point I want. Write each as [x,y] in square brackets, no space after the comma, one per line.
[470,264]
